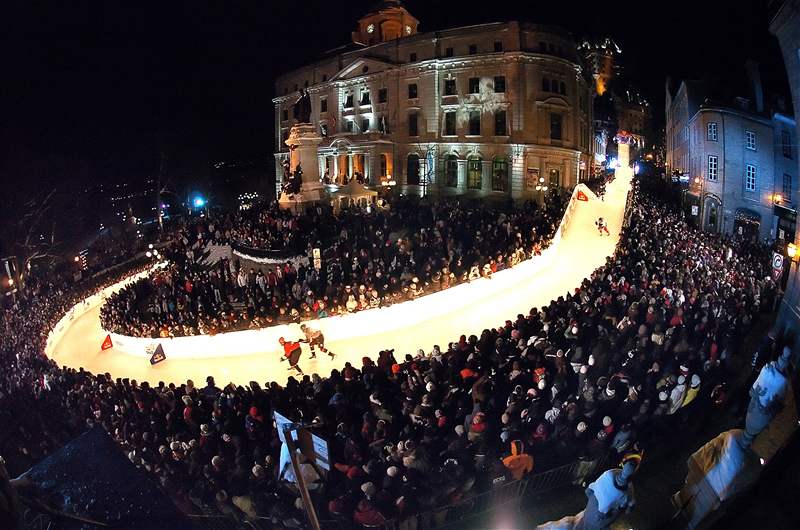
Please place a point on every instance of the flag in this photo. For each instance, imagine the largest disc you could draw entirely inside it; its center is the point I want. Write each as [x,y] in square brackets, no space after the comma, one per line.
[158,355]
[581,196]
[107,344]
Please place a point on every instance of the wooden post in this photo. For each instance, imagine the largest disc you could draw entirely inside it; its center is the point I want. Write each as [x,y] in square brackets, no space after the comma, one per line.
[301,482]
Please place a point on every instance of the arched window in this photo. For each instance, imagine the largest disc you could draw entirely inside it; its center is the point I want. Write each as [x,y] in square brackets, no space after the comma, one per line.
[500,174]
[412,170]
[451,171]
[474,173]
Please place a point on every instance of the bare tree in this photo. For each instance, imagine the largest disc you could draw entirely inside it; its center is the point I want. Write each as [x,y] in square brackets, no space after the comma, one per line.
[25,235]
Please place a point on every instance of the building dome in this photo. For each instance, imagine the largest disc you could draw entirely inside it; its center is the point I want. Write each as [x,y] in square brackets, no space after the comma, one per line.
[387,20]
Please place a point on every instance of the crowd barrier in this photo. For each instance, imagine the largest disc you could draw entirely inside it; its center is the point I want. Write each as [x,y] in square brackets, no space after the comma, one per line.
[508,498]
[83,307]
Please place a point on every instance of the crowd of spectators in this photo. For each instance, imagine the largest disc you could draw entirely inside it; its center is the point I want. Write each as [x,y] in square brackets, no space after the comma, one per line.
[637,350]
[372,258]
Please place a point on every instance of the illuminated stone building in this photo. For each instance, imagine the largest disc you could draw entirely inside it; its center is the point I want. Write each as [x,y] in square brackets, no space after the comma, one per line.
[737,156]
[482,110]
[785,25]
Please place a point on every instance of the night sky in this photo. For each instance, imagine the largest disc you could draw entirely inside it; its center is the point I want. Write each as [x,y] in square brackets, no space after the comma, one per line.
[89,86]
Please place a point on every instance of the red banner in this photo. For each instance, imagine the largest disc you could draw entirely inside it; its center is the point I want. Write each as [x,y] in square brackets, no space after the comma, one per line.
[581,196]
[107,344]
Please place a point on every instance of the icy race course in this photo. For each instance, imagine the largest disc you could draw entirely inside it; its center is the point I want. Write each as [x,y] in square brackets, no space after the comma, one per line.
[439,318]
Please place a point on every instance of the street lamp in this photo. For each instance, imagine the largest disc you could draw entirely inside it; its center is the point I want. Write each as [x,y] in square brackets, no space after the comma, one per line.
[791,250]
[541,187]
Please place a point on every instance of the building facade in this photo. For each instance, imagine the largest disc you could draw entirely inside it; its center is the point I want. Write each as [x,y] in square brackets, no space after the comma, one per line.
[482,110]
[738,160]
[785,25]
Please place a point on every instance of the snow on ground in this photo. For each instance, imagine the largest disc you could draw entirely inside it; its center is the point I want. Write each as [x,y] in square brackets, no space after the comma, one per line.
[439,318]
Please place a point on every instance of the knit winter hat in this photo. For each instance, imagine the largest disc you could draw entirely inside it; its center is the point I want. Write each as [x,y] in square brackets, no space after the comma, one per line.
[695,381]
[368,488]
[392,471]
[581,426]
[459,430]
[606,421]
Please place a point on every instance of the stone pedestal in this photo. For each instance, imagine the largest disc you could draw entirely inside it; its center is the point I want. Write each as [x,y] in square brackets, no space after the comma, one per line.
[303,141]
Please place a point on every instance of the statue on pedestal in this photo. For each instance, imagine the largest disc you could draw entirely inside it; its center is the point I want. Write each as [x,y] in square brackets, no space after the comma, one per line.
[302,107]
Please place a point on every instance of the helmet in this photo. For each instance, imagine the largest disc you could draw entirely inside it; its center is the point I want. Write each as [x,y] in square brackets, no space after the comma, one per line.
[281,340]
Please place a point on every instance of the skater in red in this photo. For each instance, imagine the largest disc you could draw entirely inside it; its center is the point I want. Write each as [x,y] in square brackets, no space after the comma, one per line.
[291,351]
[314,337]
[602,226]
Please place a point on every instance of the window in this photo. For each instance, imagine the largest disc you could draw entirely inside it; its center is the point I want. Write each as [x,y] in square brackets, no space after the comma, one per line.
[555,126]
[324,77]
[711,131]
[551,48]
[383,165]
[554,178]
[532,178]
[295,87]
[448,52]
[413,127]
[562,88]
[473,49]
[348,101]
[500,128]
[474,173]
[787,188]
[750,140]
[786,144]
[545,85]
[383,95]
[450,87]
[498,46]
[451,171]
[499,83]
[499,174]
[285,115]
[323,105]
[474,85]
[475,122]
[450,123]
[543,47]
[712,167]
[364,124]
[750,178]
[412,91]
[412,178]
[305,83]
[348,125]
[365,98]
[412,57]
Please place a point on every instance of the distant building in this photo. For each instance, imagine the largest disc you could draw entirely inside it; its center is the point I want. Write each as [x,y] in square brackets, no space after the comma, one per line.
[484,110]
[785,25]
[600,57]
[738,160]
[618,106]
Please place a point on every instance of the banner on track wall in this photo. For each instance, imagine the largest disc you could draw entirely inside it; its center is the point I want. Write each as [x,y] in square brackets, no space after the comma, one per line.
[582,196]
[107,344]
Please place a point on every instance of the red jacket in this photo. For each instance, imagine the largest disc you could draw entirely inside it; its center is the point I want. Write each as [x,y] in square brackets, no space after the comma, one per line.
[289,347]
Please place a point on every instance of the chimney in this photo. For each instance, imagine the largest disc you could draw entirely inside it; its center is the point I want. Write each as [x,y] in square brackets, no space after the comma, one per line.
[754,76]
